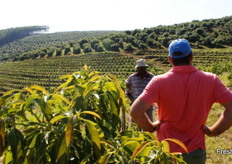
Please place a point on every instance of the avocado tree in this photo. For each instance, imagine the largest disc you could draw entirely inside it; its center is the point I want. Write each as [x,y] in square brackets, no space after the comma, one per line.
[77,122]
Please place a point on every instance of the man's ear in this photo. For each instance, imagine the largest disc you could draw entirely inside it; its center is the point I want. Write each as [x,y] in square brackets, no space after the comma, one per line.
[191,59]
[170,59]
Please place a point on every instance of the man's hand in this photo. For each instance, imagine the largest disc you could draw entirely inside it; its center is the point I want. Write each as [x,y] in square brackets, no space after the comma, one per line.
[222,124]
[207,131]
[156,125]
[138,114]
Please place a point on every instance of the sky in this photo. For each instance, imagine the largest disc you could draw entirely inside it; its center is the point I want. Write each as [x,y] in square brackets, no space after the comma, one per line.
[119,15]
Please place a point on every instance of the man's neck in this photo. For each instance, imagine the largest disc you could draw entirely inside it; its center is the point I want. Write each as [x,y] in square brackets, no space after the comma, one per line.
[181,64]
[143,74]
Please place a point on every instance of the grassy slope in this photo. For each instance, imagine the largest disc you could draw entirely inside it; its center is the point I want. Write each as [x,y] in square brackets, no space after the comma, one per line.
[223,141]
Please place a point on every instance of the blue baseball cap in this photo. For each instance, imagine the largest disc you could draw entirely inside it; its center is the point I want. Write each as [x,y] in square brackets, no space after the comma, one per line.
[179,45]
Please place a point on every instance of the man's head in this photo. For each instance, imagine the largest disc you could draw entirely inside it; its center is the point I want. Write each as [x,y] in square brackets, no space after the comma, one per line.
[141,66]
[180,52]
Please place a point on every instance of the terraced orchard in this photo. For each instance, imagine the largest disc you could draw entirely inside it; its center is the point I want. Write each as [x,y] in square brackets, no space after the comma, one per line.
[215,62]
[46,71]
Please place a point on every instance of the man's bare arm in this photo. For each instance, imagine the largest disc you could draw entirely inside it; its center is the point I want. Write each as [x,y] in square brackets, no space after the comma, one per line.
[138,114]
[223,123]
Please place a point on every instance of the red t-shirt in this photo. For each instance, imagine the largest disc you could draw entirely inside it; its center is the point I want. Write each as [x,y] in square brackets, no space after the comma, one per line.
[184,96]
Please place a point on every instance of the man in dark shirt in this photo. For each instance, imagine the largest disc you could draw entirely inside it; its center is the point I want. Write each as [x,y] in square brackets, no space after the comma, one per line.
[136,83]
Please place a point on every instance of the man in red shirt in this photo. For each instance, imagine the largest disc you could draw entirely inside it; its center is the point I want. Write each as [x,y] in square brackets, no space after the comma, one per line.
[184,96]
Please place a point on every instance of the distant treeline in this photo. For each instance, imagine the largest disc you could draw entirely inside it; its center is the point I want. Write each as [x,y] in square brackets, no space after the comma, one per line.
[14,34]
[211,33]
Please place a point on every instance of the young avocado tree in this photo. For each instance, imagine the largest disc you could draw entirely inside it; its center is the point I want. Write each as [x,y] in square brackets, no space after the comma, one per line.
[78,122]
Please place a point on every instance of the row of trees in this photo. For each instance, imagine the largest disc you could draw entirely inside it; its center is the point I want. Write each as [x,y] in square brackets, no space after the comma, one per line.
[46,71]
[14,34]
[36,44]
[207,33]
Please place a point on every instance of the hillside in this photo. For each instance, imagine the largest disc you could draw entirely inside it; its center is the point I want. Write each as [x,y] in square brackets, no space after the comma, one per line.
[43,43]
[15,34]
[211,33]
[42,59]
[46,72]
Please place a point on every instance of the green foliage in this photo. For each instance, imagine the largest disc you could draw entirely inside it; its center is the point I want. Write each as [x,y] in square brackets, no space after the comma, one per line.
[128,48]
[33,43]
[67,50]
[110,45]
[83,41]
[212,33]
[76,49]
[97,45]
[13,34]
[79,122]
[46,71]
[86,47]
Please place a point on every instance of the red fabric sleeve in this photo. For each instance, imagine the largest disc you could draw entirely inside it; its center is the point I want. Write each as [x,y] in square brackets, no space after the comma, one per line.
[150,93]
[221,93]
